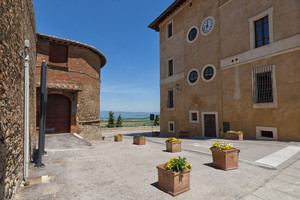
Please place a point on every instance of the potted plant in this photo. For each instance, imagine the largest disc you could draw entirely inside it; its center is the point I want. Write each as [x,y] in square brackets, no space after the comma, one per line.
[173,145]
[155,134]
[118,138]
[174,176]
[225,156]
[139,140]
[184,134]
[234,135]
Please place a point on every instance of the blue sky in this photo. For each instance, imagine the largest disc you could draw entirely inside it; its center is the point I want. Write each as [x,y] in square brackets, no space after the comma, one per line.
[118,28]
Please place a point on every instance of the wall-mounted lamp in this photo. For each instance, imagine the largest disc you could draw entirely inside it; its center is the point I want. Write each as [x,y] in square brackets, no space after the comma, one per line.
[177,86]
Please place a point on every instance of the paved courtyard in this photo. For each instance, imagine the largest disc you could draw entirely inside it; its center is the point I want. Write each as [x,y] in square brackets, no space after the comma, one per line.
[110,170]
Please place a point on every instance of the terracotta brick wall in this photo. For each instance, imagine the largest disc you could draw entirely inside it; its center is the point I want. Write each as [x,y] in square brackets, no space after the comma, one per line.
[17,23]
[82,69]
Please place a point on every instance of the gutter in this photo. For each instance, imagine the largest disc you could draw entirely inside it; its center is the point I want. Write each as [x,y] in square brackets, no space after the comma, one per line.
[26,109]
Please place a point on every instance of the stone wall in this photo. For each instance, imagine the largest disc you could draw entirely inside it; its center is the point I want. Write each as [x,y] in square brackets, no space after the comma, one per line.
[17,23]
[131,129]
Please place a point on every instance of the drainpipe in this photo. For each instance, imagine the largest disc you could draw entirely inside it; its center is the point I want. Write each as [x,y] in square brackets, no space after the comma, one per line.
[26,110]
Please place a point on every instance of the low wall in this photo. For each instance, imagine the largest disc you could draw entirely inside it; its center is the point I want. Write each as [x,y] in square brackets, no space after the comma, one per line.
[133,129]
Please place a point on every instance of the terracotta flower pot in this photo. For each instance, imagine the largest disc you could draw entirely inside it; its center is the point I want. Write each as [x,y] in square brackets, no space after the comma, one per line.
[118,138]
[139,140]
[155,134]
[173,146]
[173,183]
[225,159]
[183,135]
[233,136]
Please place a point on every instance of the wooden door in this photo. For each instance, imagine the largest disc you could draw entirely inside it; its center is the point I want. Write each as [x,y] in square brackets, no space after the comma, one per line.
[210,126]
[58,114]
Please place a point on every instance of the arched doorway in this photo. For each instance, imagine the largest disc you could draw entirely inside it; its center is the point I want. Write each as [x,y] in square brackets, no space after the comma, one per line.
[58,114]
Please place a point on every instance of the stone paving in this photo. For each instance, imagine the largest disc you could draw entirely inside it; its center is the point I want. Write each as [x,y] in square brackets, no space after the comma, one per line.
[111,170]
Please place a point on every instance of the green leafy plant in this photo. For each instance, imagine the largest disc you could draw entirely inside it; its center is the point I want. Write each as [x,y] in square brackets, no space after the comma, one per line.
[119,121]
[177,164]
[183,132]
[156,121]
[111,120]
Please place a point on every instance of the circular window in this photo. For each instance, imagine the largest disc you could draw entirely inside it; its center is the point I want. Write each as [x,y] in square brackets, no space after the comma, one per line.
[192,34]
[193,76]
[208,73]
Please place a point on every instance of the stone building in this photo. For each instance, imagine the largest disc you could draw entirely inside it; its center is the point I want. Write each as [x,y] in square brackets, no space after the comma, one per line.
[73,81]
[17,22]
[230,64]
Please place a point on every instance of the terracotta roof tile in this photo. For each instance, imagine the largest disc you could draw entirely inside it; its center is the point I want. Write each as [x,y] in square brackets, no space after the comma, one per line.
[75,43]
[61,86]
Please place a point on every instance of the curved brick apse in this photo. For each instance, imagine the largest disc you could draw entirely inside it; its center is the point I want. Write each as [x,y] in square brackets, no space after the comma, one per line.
[73,72]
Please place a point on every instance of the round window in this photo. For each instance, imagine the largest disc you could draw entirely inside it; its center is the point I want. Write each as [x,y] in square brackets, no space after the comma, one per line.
[192,34]
[193,76]
[208,73]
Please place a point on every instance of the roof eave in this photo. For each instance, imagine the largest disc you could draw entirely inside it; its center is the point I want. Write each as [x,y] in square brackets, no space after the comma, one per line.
[75,43]
[155,24]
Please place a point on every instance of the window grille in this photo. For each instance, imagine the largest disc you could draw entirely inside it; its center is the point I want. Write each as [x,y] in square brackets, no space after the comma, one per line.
[171,64]
[194,117]
[171,127]
[268,134]
[170,30]
[263,85]
[170,103]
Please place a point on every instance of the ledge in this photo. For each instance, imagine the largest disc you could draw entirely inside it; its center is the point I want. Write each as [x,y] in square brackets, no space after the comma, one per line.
[285,45]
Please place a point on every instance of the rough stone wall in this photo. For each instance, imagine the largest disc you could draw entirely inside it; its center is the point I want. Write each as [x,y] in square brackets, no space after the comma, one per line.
[17,23]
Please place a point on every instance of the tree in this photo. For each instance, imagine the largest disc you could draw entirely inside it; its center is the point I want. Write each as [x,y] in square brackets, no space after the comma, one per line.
[111,120]
[156,121]
[119,121]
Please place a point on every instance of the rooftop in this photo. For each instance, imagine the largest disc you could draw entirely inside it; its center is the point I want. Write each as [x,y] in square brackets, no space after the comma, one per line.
[172,8]
[74,43]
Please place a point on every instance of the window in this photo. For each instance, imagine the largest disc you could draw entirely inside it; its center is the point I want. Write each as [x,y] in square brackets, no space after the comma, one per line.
[261,28]
[170,29]
[194,116]
[170,67]
[192,34]
[171,127]
[58,53]
[264,86]
[208,73]
[267,133]
[261,32]
[170,103]
[193,77]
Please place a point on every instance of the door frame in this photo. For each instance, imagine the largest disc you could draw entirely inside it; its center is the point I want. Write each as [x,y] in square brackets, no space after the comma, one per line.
[203,124]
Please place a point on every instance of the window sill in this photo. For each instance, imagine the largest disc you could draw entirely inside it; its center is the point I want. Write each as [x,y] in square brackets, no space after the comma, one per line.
[276,48]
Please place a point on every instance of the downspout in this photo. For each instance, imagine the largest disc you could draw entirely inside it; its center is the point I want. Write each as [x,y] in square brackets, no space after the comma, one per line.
[26,110]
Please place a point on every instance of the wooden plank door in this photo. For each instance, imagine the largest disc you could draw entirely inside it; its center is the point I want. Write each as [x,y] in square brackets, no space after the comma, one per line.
[210,126]
[58,114]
